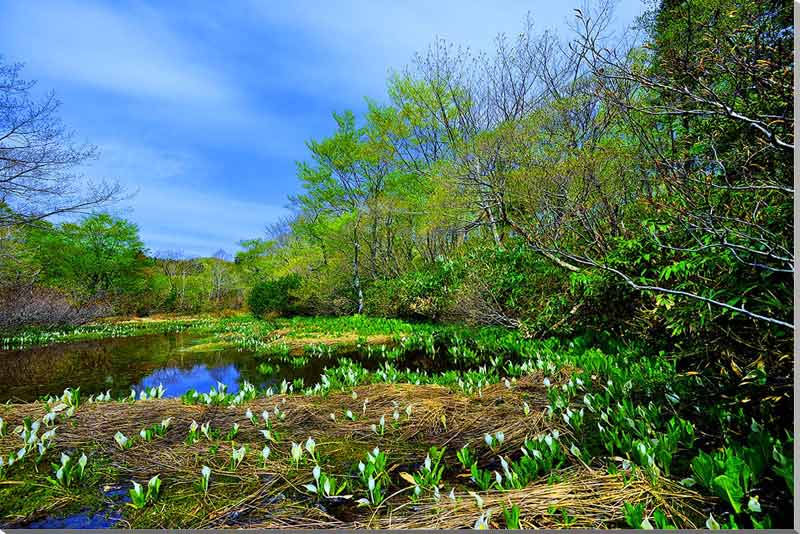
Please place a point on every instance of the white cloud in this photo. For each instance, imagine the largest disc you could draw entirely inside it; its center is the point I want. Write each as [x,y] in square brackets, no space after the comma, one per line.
[177,204]
[351,46]
[198,222]
[141,163]
[132,53]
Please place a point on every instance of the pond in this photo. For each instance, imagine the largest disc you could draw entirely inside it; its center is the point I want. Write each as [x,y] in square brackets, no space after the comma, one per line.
[179,361]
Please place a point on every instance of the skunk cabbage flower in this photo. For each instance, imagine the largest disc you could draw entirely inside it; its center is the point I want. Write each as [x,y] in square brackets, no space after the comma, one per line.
[478,499]
[753,505]
[205,476]
[311,446]
[237,455]
[297,452]
[121,440]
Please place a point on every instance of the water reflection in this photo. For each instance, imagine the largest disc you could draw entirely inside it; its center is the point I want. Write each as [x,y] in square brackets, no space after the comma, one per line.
[199,378]
[180,361]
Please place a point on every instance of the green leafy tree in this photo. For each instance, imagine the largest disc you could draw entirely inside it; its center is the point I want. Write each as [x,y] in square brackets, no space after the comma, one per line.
[99,254]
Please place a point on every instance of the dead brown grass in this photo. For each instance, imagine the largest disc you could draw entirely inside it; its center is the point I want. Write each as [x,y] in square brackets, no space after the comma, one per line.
[271,496]
[298,345]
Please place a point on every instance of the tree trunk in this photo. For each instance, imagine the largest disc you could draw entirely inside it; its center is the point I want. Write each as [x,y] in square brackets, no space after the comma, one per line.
[356,277]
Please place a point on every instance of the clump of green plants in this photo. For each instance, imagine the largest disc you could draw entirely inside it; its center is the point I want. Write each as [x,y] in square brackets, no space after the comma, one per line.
[429,476]
[324,485]
[140,497]
[373,478]
[69,471]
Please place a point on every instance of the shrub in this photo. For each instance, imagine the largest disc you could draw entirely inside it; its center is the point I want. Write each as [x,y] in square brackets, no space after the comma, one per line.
[274,296]
[31,306]
[419,294]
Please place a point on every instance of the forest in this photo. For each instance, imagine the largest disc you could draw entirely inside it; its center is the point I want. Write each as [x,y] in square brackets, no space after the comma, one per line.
[560,270]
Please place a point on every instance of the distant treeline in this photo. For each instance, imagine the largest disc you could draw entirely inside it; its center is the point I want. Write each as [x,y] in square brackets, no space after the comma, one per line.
[74,272]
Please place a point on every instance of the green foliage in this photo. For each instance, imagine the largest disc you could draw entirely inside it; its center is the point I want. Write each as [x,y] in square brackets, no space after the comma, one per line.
[274,296]
[511,516]
[425,293]
[141,497]
[69,471]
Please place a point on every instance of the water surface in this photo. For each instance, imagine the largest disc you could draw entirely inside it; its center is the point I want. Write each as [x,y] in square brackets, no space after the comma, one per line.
[179,361]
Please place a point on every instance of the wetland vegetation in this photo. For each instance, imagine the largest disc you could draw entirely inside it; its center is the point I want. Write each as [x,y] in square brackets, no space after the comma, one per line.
[547,287]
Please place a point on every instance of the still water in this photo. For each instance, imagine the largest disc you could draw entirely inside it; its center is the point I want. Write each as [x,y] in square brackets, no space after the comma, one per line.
[179,361]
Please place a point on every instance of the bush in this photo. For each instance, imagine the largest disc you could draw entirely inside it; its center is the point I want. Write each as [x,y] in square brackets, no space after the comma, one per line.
[31,306]
[274,296]
[420,294]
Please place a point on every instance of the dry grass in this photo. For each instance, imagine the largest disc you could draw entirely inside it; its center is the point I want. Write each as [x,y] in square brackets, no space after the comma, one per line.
[583,498]
[270,496]
[439,417]
[590,498]
[298,345]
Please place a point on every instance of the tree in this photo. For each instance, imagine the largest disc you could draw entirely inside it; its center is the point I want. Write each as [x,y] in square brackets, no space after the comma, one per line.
[710,102]
[221,279]
[39,159]
[254,257]
[345,174]
[98,255]
[177,268]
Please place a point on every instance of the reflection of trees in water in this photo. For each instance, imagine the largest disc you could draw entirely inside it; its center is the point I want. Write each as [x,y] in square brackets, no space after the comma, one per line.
[140,361]
[27,374]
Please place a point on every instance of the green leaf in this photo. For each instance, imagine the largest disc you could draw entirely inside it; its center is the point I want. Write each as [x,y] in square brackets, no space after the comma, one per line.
[729,489]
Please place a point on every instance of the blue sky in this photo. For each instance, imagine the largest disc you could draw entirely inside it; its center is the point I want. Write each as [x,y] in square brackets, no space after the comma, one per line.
[203,108]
